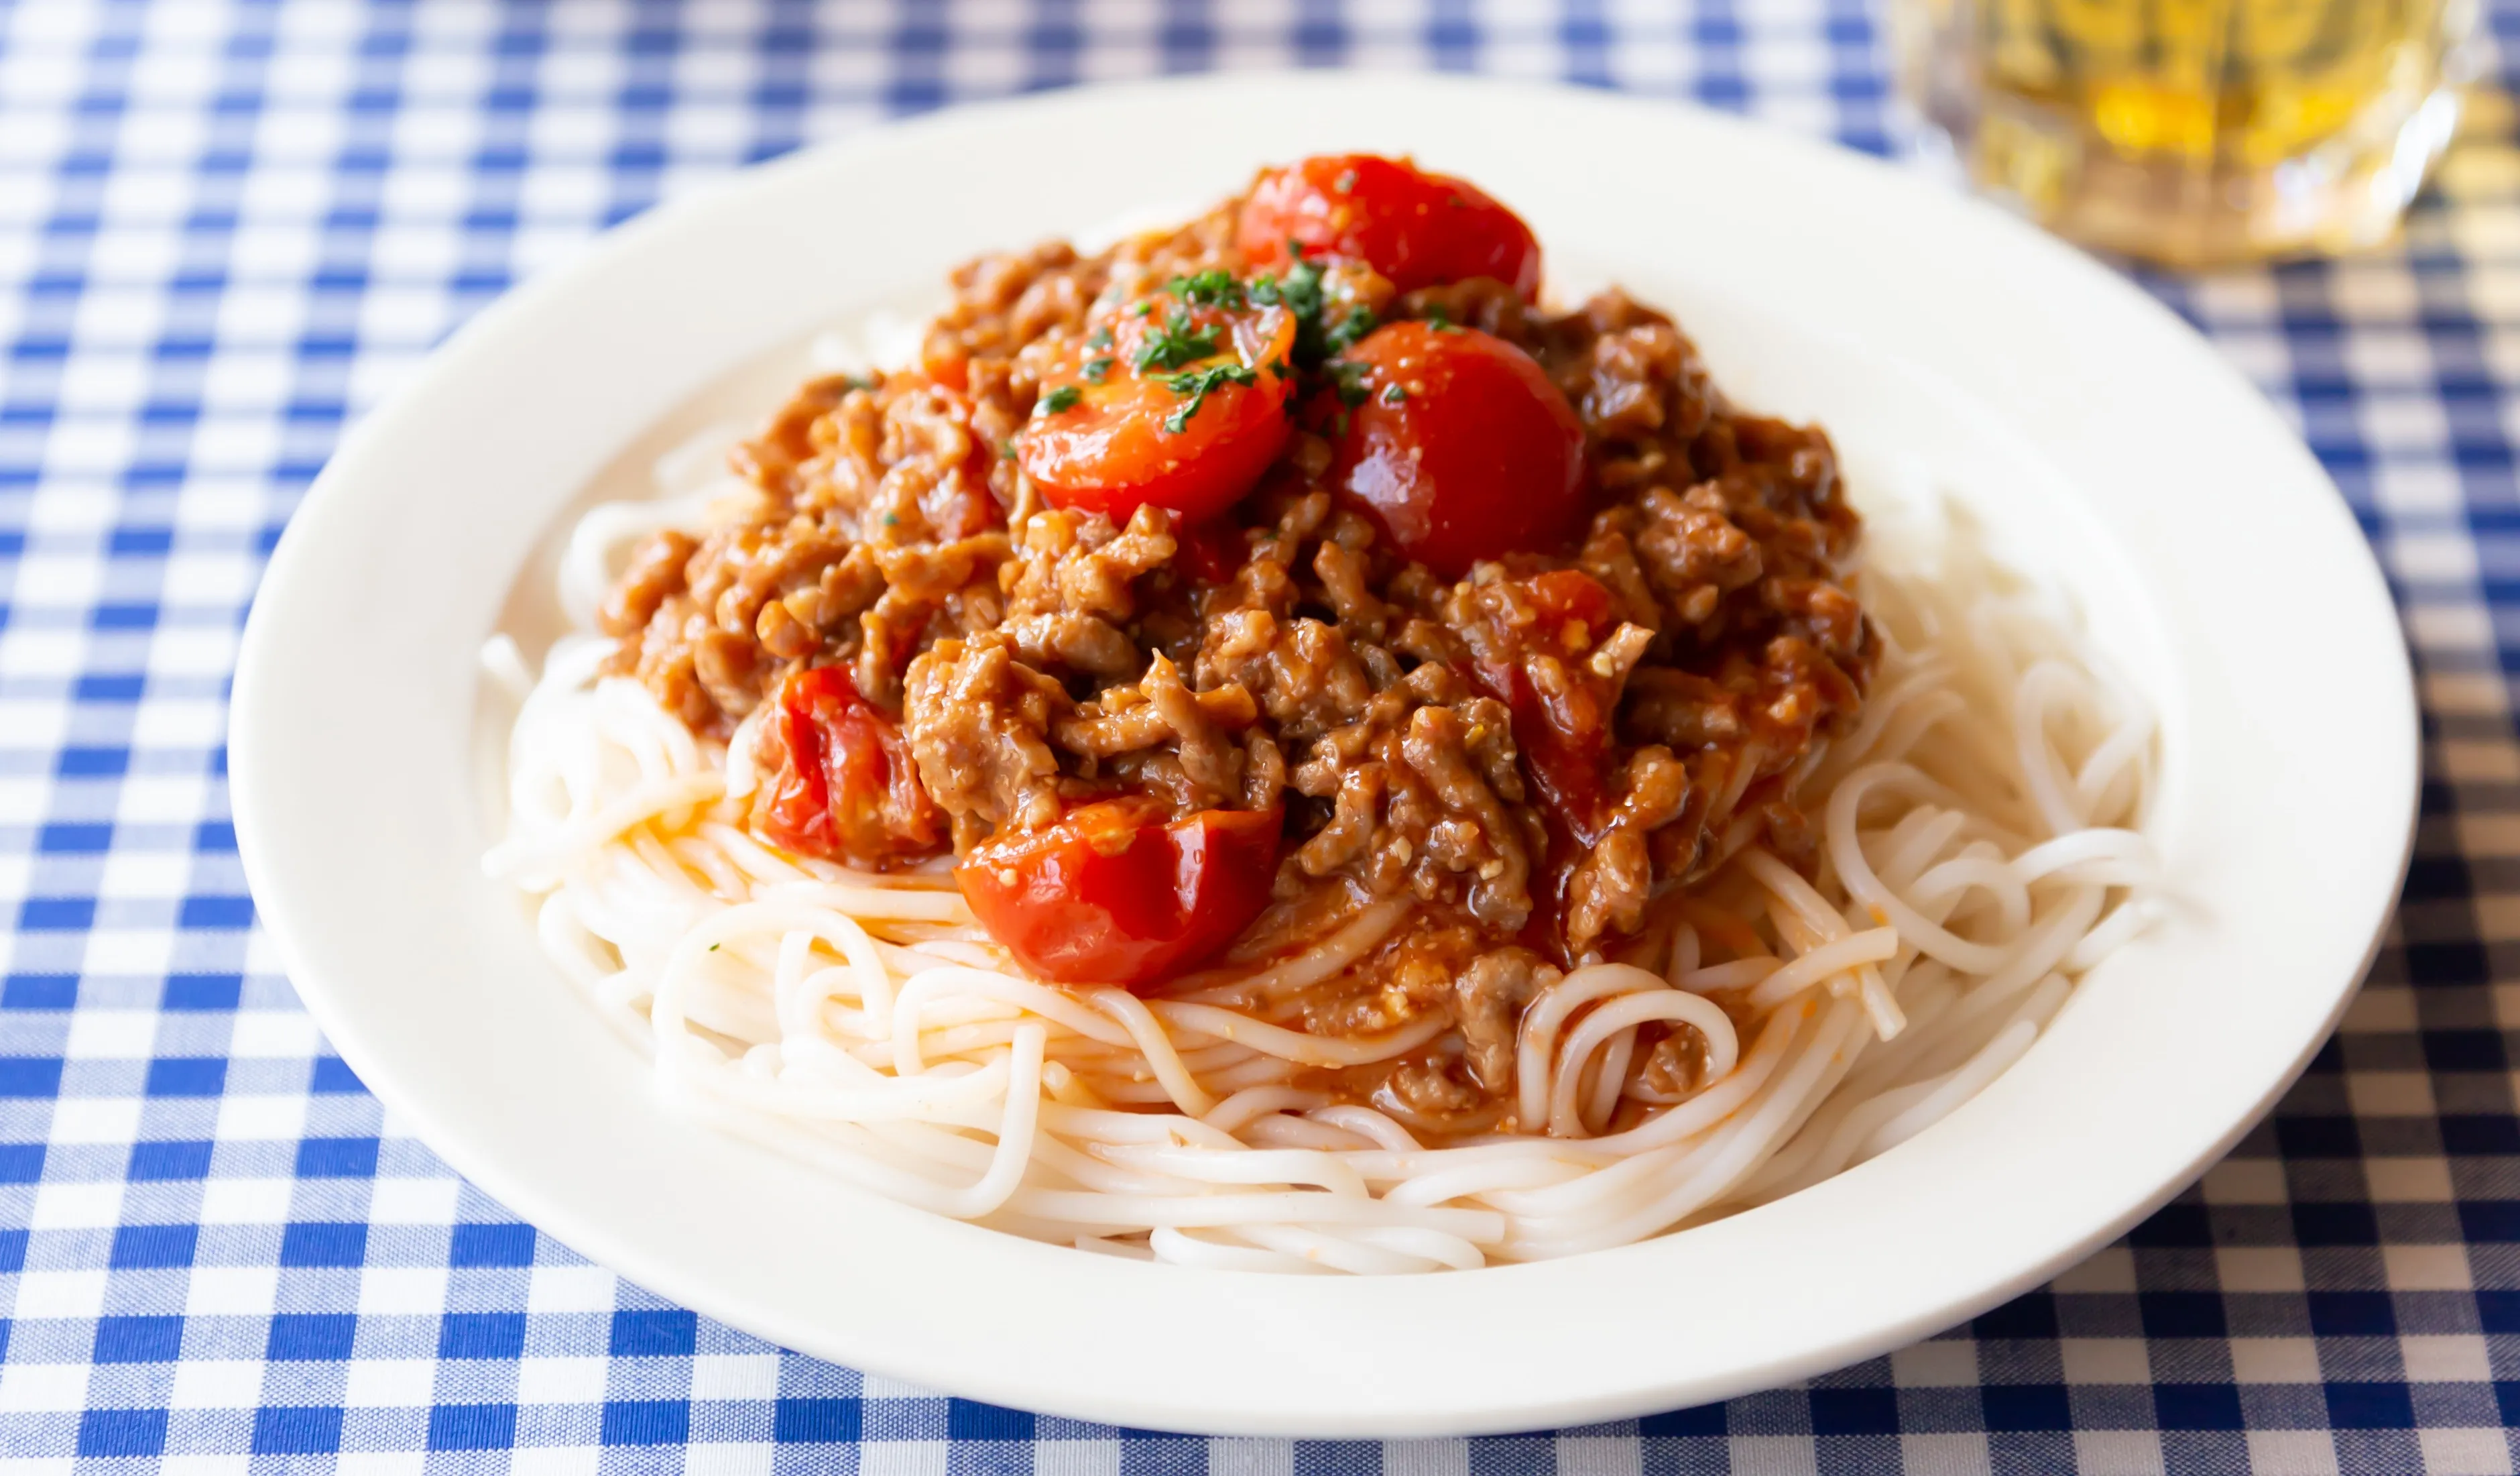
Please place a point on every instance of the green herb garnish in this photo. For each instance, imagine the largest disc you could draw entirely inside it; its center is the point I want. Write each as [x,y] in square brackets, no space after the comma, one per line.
[1098,370]
[1212,288]
[1349,380]
[1299,292]
[1101,337]
[1438,318]
[1317,334]
[1064,397]
[1393,395]
[1195,388]
[1354,325]
[1177,344]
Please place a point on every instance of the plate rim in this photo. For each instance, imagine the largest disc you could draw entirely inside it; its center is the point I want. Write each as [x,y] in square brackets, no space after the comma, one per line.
[252,721]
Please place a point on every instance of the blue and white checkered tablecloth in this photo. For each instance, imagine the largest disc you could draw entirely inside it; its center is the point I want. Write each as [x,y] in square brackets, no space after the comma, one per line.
[227,226]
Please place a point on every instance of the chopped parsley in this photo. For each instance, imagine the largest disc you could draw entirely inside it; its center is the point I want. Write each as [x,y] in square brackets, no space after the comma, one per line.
[1321,331]
[1006,450]
[857,382]
[1358,322]
[1177,344]
[1212,288]
[1438,317]
[1064,397]
[1393,395]
[1176,348]
[1299,292]
[1195,388]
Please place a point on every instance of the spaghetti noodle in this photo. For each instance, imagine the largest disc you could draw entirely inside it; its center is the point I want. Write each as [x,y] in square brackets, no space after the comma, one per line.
[1979,854]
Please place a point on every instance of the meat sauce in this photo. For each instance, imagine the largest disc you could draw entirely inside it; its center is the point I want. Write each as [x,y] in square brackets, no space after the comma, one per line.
[1197,593]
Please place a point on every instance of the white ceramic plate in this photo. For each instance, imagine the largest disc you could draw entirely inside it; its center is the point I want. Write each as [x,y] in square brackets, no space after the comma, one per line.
[2111,453]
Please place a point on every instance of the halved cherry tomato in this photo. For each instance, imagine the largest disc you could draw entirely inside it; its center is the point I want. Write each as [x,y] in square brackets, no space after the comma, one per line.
[1461,448]
[1112,894]
[1414,228]
[1183,406]
[1563,732]
[840,781]
[1561,728]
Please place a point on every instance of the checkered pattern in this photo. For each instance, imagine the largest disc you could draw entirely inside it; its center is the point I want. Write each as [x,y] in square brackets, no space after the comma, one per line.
[227,226]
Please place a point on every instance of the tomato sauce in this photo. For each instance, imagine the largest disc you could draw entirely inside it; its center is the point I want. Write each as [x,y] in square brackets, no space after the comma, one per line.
[1298,559]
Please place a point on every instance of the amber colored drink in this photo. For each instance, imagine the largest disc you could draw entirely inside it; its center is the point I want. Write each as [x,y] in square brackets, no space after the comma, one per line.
[2192,132]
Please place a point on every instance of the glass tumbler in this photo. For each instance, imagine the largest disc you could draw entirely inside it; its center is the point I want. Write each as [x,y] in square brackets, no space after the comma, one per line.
[2192,132]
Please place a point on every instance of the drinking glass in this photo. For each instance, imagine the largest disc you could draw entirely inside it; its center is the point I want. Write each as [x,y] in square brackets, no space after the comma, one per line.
[2192,132]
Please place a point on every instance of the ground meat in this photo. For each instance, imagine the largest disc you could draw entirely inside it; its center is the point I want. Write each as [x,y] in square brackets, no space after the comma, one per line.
[1609,889]
[1488,1000]
[1537,753]
[1409,978]
[1072,593]
[1428,1088]
[1637,382]
[978,722]
[1676,1064]
[655,572]
[1008,299]
[1481,302]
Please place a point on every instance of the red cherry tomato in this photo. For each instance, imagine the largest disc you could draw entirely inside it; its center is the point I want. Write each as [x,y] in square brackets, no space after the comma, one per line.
[1209,552]
[1112,894]
[1417,229]
[1462,447]
[840,779]
[1183,406]
[1564,733]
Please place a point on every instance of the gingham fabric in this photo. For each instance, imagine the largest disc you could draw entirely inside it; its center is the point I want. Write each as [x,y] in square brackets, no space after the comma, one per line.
[226,228]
